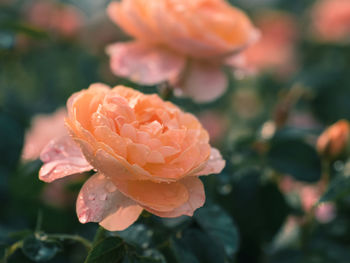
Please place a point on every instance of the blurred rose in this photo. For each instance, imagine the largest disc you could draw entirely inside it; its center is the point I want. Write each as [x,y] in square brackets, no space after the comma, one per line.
[334,141]
[183,42]
[44,128]
[148,154]
[276,47]
[215,123]
[331,20]
[309,196]
[63,19]
[325,213]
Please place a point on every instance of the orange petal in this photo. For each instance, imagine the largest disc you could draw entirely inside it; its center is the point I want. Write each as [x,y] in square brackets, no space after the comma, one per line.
[122,218]
[214,165]
[196,199]
[62,157]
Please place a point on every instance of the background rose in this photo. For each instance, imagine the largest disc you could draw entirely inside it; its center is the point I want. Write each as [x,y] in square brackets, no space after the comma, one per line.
[331,20]
[276,48]
[44,128]
[148,154]
[183,42]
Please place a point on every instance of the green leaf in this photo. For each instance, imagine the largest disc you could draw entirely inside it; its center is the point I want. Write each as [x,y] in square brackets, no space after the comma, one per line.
[138,235]
[295,157]
[338,188]
[219,225]
[181,252]
[148,256]
[194,245]
[40,249]
[110,249]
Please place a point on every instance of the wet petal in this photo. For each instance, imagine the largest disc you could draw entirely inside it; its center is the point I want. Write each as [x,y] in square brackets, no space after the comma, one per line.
[196,199]
[204,82]
[148,65]
[99,198]
[62,157]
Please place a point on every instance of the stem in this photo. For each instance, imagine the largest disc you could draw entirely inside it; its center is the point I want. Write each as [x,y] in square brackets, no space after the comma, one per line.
[12,249]
[76,238]
[165,91]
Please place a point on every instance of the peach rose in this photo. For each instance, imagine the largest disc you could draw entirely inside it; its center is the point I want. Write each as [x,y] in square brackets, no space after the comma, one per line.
[44,128]
[334,141]
[275,49]
[148,155]
[331,20]
[183,42]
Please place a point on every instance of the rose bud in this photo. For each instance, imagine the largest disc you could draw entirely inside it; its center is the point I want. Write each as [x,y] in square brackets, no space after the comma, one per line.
[148,154]
[333,142]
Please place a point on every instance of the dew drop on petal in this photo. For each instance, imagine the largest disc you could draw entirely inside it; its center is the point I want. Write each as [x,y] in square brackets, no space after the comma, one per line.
[110,187]
[83,218]
[91,197]
[103,197]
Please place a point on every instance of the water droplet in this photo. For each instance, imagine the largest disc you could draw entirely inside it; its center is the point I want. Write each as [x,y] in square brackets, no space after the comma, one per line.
[103,197]
[110,187]
[83,218]
[225,189]
[92,197]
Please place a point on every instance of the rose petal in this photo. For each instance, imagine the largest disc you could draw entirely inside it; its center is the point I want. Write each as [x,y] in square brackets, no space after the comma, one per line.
[99,199]
[122,218]
[196,199]
[148,65]
[62,157]
[214,165]
[204,82]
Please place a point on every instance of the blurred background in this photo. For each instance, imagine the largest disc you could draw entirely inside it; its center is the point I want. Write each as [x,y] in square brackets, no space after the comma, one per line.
[266,125]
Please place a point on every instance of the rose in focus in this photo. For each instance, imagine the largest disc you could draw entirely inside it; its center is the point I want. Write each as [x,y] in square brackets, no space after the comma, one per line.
[148,155]
[185,43]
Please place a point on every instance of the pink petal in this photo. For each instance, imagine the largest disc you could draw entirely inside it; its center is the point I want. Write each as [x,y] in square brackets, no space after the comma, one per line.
[99,198]
[196,199]
[122,218]
[62,157]
[204,82]
[143,64]
[214,165]
[44,128]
